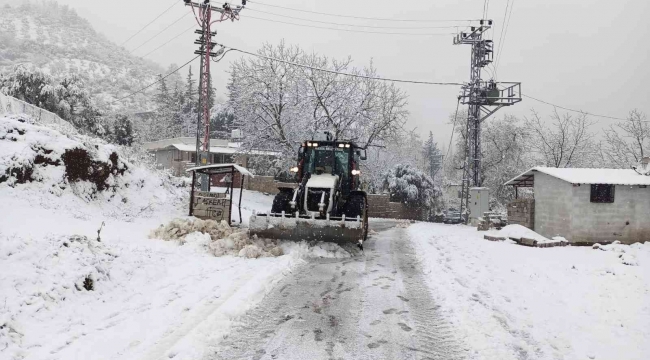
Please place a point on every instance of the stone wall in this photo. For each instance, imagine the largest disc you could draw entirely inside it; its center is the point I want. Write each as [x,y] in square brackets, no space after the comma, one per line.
[266,184]
[379,206]
[522,212]
[553,206]
[626,219]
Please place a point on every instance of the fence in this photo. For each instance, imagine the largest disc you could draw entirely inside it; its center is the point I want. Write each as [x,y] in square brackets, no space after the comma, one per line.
[12,106]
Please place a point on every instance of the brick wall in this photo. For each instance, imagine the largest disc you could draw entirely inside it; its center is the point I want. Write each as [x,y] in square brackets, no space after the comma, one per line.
[379,206]
[522,212]
[266,184]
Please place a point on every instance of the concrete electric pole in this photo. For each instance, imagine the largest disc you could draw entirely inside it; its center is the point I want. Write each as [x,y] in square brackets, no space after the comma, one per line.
[203,13]
[484,99]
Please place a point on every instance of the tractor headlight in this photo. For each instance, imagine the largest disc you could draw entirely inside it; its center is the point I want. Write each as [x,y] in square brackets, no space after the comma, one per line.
[294,169]
[356,172]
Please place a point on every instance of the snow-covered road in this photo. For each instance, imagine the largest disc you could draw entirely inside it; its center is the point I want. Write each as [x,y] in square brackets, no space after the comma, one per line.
[374,305]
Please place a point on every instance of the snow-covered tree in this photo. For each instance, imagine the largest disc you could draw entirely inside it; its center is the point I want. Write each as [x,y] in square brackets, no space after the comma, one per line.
[411,186]
[123,131]
[627,142]
[278,105]
[432,156]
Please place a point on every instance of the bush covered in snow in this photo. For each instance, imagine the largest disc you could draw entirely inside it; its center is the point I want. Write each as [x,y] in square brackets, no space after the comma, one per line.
[407,184]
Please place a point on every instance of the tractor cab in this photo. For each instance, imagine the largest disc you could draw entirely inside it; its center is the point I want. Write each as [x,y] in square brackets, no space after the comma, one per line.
[337,160]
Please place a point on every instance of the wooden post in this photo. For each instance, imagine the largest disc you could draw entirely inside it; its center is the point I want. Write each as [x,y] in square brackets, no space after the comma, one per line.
[516,192]
[192,193]
[241,190]
[232,181]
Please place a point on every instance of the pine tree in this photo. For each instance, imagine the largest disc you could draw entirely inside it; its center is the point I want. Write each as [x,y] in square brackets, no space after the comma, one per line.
[160,128]
[432,156]
[190,104]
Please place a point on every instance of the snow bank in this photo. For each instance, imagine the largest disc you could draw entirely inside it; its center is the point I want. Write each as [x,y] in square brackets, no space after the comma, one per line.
[516,302]
[73,169]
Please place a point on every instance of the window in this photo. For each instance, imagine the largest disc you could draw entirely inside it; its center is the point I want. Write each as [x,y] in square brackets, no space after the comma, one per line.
[602,193]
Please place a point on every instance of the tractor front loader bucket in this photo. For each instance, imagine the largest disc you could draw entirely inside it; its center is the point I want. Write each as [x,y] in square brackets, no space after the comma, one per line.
[303,228]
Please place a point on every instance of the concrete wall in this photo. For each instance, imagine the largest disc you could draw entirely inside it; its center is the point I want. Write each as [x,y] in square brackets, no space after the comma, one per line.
[266,184]
[379,206]
[553,206]
[627,219]
[522,212]
[566,210]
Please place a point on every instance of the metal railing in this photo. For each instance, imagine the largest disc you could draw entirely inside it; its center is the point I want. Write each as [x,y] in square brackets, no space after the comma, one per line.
[11,106]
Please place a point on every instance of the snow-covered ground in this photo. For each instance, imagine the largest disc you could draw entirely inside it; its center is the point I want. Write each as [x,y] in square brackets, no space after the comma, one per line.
[65,295]
[514,302]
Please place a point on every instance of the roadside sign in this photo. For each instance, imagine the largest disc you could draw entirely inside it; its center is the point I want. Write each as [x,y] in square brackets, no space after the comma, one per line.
[211,206]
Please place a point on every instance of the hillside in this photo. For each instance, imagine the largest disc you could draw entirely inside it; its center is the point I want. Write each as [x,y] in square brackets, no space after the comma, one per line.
[55,39]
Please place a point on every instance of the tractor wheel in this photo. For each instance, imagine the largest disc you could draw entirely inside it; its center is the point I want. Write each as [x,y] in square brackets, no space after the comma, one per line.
[357,206]
[281,203]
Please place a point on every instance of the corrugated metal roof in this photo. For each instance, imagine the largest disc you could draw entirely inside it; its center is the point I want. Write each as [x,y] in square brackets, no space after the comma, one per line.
[225,150]
[588,176]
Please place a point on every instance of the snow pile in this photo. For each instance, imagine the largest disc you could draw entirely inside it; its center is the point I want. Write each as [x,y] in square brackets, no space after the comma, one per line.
[626,253]
[216,238]
[516,231]
[73,169]
[44,274]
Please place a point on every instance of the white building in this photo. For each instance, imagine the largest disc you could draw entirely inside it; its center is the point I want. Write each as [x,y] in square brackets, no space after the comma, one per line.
[585,205]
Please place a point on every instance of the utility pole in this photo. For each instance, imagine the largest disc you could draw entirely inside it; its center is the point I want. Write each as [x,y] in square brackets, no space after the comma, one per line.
[203,13]
[484,99]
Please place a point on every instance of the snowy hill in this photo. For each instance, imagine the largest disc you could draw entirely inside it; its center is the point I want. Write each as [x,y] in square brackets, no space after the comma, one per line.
[55,39]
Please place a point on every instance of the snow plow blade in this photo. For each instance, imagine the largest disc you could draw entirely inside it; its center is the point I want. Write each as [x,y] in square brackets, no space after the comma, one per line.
[303,228]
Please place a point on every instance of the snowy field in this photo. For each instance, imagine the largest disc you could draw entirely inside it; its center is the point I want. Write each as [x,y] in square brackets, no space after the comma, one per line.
[514,302]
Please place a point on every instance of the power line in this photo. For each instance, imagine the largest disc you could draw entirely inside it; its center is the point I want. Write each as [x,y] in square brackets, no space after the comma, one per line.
[361,26]
[573,110]
[452,129]
[347,30]
[160,32]
[355,17]
[505,35]
[156,82]
[505,14]
[151,22]
[342,73]
[170,40]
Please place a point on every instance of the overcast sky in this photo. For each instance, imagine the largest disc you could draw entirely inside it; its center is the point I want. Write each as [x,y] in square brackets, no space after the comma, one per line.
[590,55]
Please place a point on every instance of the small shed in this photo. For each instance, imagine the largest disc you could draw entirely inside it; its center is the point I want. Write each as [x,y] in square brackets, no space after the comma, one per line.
[214,205]
[585,206]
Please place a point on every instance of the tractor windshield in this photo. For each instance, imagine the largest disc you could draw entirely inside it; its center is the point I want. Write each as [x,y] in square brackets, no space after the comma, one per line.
[327,160]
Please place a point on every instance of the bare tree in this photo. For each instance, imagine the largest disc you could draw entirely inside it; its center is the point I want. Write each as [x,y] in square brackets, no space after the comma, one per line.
[567,141]
[357,108]
[627,142]
[265,99]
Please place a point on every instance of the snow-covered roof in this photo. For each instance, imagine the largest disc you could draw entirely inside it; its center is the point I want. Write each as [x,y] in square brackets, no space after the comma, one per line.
[225,150]
[584,176]
[241,169]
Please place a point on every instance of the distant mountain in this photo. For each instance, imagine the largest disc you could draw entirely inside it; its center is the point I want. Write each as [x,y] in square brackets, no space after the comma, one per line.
[54,38]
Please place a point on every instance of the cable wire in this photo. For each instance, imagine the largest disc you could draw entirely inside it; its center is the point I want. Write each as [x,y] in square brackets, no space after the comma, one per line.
[505,15]
[168,41]
[452,130]
[151,22]
[347,30]
[156,82]
[361,26]
[573,110]
[505,35]
[356,17]
[342,73]
[160,32]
